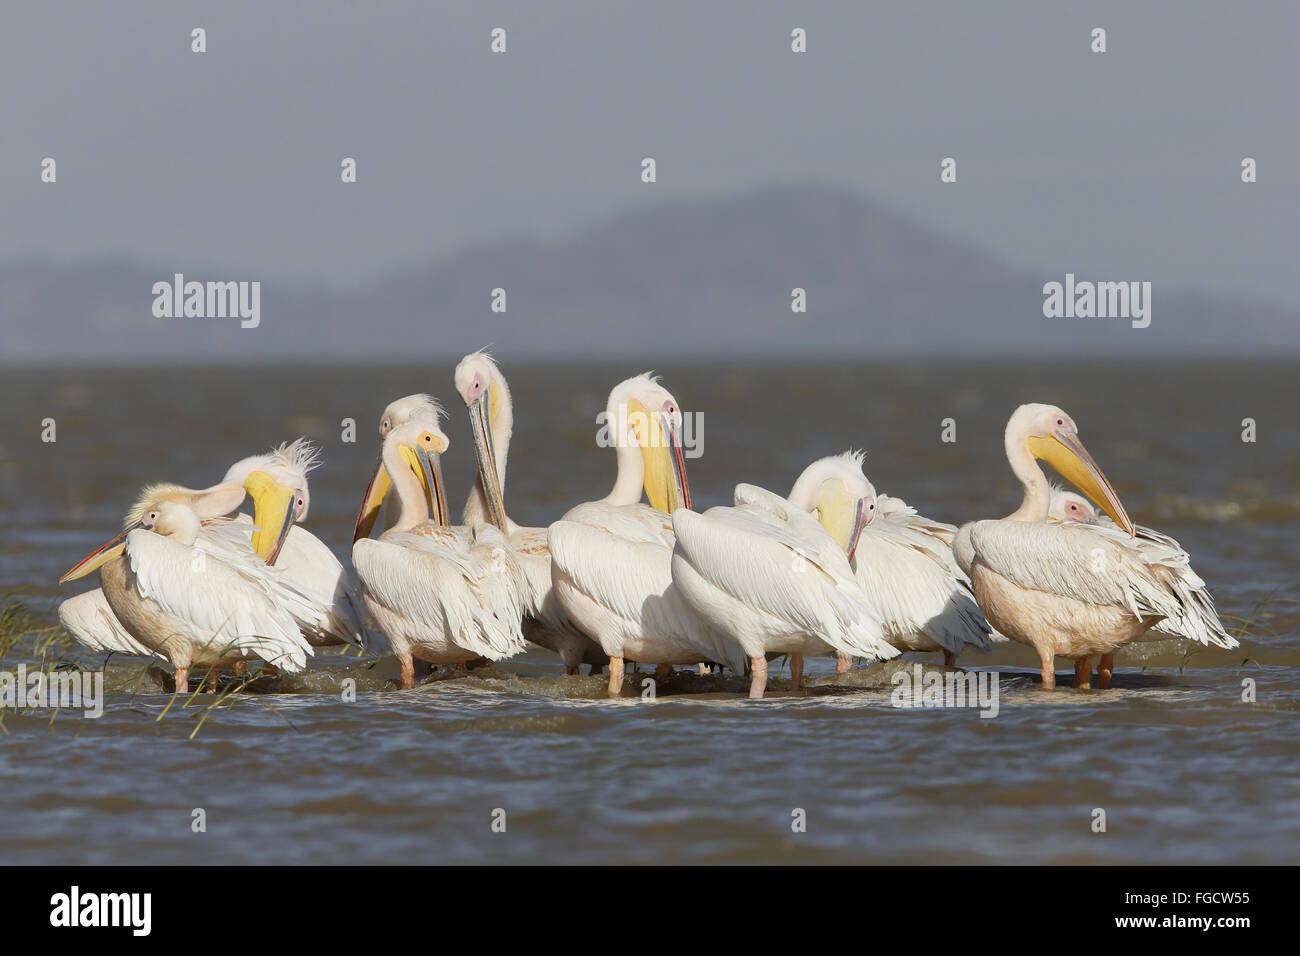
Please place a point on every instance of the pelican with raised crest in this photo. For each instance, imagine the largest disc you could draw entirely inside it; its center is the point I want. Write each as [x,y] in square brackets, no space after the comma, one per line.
[277,483]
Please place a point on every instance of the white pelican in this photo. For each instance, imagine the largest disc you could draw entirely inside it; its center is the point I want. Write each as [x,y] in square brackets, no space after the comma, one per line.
[1068,506]
[767,576]
[198,600]
[611,559]
[487,396]
[277,483]
[409,408]
[904,563]
[1068,589]
[443,594]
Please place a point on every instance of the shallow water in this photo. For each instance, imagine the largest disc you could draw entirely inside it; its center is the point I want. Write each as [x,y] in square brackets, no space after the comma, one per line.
[291,772]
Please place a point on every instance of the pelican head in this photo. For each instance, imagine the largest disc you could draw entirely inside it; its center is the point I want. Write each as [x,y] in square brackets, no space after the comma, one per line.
[1067,506]
[416,445]
[276,508]
[483,389]
[837,491]
[1047,433]
[642,413]
[288,464]
[170,517]
[410,408]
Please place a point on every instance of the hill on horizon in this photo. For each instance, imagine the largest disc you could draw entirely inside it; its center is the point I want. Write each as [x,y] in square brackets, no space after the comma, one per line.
[710,279]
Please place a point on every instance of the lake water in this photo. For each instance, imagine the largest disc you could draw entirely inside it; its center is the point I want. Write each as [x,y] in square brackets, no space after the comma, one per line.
[1185,770]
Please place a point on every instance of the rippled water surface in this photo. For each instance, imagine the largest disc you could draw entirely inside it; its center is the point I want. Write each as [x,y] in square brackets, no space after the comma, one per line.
[291,772]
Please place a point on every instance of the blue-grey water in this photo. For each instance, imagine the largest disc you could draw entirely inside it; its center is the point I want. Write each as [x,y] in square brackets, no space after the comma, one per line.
[1184,768]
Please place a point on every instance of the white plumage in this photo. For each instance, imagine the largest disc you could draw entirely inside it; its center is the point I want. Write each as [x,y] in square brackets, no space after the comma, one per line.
[202,602]
[486,395]
[1073,589]
[610,559]
[765,576]
[446,595]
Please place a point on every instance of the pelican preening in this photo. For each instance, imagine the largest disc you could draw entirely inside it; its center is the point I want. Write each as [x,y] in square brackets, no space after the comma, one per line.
[1070,589]
[198,600]
[765,575]
[277,483]
[833,569]
[904,563]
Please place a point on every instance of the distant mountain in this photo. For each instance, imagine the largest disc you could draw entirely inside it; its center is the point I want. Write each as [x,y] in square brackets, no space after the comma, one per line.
[713,278]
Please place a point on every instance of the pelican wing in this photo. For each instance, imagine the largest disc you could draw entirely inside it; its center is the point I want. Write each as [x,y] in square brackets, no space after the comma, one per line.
[617,571]
[460,582]
[1103,566]
[89,619]
[229,599]
[904,562]
[775,558]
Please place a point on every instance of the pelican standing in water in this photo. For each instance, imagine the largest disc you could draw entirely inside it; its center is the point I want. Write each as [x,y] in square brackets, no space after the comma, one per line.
[611,559]
[905,565]
[444,594]
[180,597]
[485,393]
[1075,590]
[1068,506]
[277,483]
[767,576]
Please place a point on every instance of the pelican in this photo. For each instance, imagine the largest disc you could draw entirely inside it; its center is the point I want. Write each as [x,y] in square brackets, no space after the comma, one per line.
[905,565]
[1068,506]
[417,407]
[277,483]
[765,575]
[198,600]
[1069,589]
[611,559]
[443,594]
[487,396]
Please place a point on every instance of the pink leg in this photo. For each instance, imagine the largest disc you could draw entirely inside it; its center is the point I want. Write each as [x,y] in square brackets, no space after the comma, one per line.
[758,678]
[182,680]
[408,672]
[615,676]
[704,669]
[213,679]
[1083,674]
[1049,674]
[796,670]
[239,668]
[843,664]
[1104,668]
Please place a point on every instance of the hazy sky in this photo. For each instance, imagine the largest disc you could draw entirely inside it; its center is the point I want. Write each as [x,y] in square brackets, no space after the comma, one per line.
[1124,164]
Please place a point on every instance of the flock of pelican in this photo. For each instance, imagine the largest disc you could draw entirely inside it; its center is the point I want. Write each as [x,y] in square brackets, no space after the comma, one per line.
[831,569]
